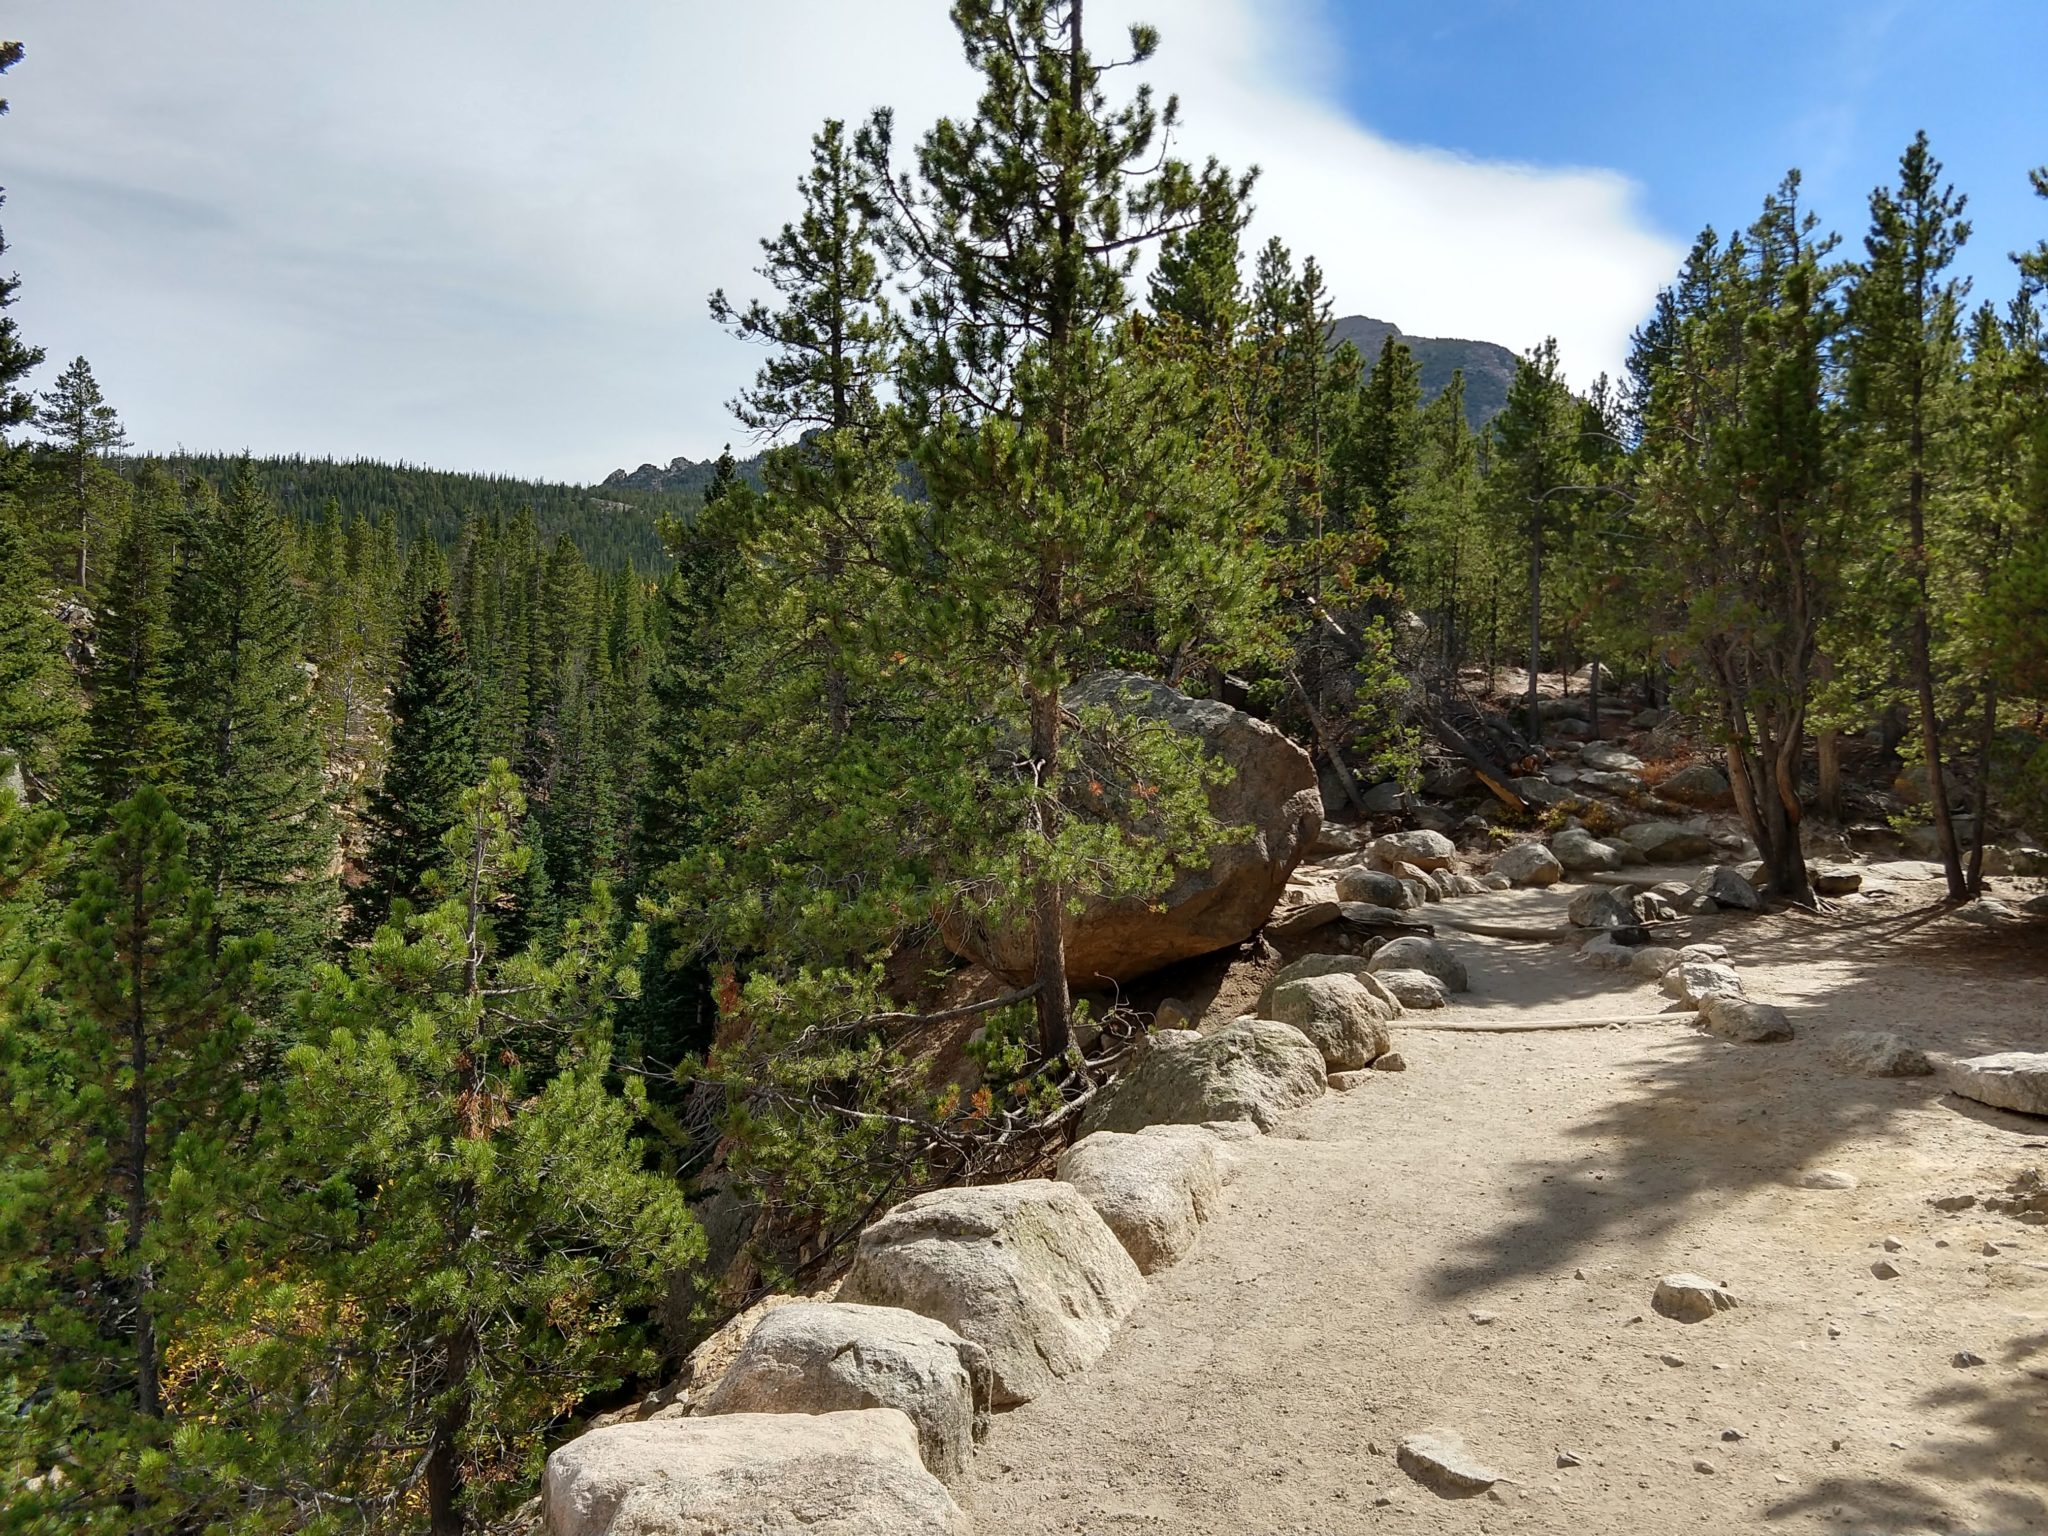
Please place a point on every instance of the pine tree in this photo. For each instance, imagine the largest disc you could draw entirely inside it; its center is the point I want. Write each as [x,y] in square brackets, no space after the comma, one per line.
[1055,468]
[432,763]
[1904,349]
[17,359]
[83,428]
[38,696]
[1535,462]
[1380,458]
[124,1100]
[480,1234]
[1737,493]
[264,837]
[132,738]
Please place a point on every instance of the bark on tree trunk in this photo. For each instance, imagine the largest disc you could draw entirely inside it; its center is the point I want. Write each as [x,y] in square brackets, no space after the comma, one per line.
[445,1515]
[1053,1003]
[1987,737]
[148,1398]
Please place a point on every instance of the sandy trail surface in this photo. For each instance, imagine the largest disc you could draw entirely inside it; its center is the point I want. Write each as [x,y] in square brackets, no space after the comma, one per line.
[1471,1246]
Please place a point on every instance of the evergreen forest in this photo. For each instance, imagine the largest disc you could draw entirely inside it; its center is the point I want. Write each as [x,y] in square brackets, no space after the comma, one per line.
[438,912]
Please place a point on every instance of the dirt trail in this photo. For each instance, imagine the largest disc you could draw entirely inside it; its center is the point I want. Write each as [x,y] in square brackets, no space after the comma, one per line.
[1471,1245]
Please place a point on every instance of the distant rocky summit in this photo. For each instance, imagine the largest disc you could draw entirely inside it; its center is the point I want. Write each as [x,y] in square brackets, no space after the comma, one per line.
[1489,367]
[680,474]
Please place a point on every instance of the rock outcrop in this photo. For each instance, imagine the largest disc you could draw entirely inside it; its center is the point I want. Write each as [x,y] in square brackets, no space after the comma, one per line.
[1153,1191]
[1214,903]
[827,1357]
[1254,1069]
[1028,1271]
[829,1474]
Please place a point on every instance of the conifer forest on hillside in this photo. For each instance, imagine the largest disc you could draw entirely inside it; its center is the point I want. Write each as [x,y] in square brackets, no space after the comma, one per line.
[464,939]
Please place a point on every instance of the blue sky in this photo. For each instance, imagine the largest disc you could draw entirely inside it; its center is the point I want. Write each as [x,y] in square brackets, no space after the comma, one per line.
[485,241]
[1705,105]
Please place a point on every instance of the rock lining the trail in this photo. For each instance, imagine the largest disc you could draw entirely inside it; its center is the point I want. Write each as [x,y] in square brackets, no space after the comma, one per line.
[1253,1069]
[1413,953]
[2014,1080]
[1153,1191]
[1342,1018]
[823,1357]
[855,1473]
[1439,1461]
[1028,1271]
[1876,1053]
[1742,1021]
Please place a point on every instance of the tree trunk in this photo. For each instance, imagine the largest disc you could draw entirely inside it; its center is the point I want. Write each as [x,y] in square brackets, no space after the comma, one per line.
[1987,737]
[1048,901]
[445,1516]
[1593,695]
[1535,627]
[1329,745]
[148,1398]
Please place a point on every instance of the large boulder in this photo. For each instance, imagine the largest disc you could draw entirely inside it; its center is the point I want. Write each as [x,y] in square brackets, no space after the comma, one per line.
[1698,784]
[825,1357]
[1415,953]
[2015,1080]
[1254,1069]
[1344,1019]
[1528,864]
[1154,1191]
[742,1474]
[1425,850]
[1028,1271]
[1667,842]
[1580,852]
[1214,902]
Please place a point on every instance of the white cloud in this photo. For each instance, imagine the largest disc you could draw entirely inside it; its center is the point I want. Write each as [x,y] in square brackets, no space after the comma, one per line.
[479,233]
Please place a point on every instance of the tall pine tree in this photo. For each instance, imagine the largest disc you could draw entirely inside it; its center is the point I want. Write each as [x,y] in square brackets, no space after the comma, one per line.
[433,761]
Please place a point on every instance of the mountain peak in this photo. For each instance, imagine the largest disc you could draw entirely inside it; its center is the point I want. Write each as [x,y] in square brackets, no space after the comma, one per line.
[1489,367]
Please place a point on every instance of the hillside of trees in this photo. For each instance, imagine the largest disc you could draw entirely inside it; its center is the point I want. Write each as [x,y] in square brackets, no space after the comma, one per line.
[610,528]
[427,902]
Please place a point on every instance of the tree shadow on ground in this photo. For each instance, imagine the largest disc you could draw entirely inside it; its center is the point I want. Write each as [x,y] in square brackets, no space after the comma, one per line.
[1708,1121]
[2006,1427]
[1711,1120]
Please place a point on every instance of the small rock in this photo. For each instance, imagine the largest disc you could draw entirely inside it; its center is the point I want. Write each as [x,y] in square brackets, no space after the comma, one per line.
[1885,1269]
[1441,1463]
[1953,1202]
[1390,1061]
[1569,1459]
[1893,1245]
[1689,1299]
[1965,1359]
[1732,1435]
[1702,1465]
[1834,1330]
[1344,1082]
[1672,1360]
[1826,1178]
[1989,1250]
[1483,1318]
